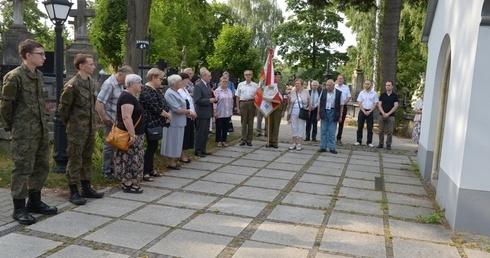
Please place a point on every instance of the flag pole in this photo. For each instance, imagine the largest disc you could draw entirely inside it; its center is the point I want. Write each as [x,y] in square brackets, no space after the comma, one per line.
[268,131]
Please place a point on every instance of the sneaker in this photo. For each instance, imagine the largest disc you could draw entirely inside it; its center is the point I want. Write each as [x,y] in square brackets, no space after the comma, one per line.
[371,145]
[357,143]
[249,144]
[293,146]
[339,142]
[299,147]
[388,147]
[380,146]
[242,144]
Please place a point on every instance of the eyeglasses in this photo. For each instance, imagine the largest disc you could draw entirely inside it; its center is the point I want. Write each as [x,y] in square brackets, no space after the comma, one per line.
[40,53]
[160,78]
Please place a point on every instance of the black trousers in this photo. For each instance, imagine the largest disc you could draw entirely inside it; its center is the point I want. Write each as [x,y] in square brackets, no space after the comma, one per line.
[201,135]
[222,125]
[360,126]
[341,125]
[312,125]
[151,148]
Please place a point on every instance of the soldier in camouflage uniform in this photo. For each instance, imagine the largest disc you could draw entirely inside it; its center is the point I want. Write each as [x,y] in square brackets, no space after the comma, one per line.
[22,108]
[77,109]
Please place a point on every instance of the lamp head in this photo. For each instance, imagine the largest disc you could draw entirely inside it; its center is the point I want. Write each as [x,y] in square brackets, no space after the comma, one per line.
[58,10]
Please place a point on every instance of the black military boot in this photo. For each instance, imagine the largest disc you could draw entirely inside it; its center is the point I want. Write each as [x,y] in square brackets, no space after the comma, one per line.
[20,213]
[75,197]
[88,192]
[35,205]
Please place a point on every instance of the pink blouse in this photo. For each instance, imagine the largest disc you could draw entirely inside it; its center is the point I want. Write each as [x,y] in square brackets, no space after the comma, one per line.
[224,106]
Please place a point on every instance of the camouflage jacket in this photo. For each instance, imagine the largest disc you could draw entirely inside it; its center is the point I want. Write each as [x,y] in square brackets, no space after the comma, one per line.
[77,106]
[22,103]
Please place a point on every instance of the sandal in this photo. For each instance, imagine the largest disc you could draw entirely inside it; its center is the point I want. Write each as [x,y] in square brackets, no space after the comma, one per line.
[132,189]
[185,161]
[148,177]
[154,173]
[176,167]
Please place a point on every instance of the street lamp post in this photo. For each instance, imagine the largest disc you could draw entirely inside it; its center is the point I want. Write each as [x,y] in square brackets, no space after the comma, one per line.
[58,13]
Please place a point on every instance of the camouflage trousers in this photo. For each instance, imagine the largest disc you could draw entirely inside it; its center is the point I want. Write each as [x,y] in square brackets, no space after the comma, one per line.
[80,149]
[30,165]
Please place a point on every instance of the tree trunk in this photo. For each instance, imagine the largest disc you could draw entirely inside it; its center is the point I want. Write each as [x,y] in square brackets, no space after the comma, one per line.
[138,22]
[389,41]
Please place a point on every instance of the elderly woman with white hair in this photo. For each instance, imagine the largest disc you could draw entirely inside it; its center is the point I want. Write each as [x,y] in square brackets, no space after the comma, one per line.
[173,136]
[128,165]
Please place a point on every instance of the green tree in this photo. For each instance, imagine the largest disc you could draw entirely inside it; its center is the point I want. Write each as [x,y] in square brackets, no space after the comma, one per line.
[234,51]
[33,18]
[304,40]
[138,18]
[261,17]
[108,32]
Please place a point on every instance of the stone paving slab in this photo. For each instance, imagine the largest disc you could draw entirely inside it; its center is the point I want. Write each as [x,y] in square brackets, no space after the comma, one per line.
[307,200]
[249,163]
[313,188]
[128,234]
[360,206]
[188,200]
[325,171]
[225,178]
[329,165]
[247,171]
[109,207]
[161,215]
[428,232]
[254,193]
[358,223]
[476,253]
[272,183]
[17,245]
[319,179]
[209,187]
[410,248]
[402,180]
[74,251]
[297,215]
[405,189]
[273,173]
[285,234]
[238,207]
[171,182]
[409,212]
[265,250]
[62,224]
[361,175]
[364,184]
[218,224]
[413,200]
[284,166]
[399,172]
[189,173]
[362,194]
[352,243]
[182,243]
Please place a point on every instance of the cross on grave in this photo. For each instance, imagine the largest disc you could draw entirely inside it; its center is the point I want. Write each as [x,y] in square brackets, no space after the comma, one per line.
[81,14]
[18,14]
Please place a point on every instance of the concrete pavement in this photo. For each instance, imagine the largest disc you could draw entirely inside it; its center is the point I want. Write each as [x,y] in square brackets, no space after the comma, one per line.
[256,202]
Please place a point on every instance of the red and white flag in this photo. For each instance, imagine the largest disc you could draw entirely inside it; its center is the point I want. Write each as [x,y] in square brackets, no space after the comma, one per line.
[268,97]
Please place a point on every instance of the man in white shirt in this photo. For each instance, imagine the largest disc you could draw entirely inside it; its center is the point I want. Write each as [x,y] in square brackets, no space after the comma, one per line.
[245,95]
[367,101]
[345,89]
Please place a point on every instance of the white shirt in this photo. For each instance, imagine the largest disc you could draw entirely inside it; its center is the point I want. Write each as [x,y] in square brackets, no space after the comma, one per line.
[368,99]
[246,91]
[330,99]
[345,90]
[315,98]
[185,94]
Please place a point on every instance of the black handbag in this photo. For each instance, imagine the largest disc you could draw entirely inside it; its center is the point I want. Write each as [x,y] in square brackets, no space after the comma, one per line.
[230,127]
[155,133]
[304,114]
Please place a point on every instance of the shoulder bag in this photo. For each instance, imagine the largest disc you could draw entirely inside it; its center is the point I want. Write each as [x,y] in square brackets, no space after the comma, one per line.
[304,114]
[119,138]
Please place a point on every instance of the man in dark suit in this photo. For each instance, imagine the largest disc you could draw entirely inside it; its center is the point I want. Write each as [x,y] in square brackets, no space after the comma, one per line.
[203,103]
[330,111]
[311,124]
